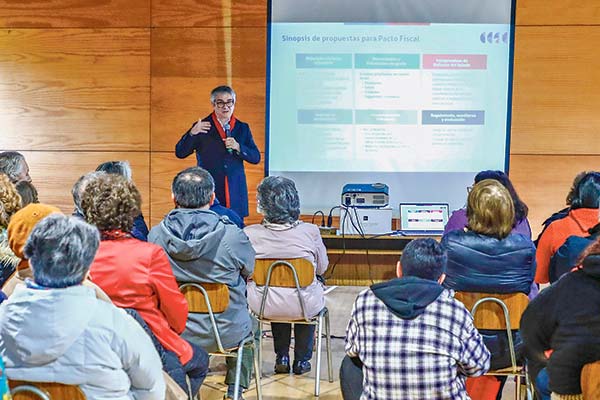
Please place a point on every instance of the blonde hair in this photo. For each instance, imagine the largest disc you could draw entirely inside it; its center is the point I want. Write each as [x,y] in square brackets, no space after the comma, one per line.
[10,200]
[490,209]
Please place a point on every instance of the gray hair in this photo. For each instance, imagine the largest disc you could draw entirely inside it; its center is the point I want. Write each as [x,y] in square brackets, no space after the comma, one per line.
[219,90]
[193,188]
[278,200]
[79,188]
[61,250]
[116,167]
[11,163]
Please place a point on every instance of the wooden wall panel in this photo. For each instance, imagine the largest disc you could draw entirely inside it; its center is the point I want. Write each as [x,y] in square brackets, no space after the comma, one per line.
[556,91]
[188,63]
[54,173]
[75,89]
[562,12]
[209,13]
[164,167]
[74,14]
[543,182]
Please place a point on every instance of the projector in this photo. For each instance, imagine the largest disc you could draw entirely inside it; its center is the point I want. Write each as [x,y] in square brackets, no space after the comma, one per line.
[365,195]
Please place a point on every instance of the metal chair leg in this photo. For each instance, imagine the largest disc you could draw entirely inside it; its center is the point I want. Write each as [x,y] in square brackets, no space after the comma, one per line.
[328,344]
[238,372]
[518,385]
[257,375]
[319,343]
[260,348]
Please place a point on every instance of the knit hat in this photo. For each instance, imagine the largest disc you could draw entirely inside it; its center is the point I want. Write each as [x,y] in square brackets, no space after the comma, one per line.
[22,223]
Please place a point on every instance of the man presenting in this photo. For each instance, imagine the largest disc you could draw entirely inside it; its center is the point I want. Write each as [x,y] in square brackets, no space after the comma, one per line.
[222,144]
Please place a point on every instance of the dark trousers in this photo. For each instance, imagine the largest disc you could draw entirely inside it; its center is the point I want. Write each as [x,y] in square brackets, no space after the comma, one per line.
[304,338]
[351,378]
[195,369]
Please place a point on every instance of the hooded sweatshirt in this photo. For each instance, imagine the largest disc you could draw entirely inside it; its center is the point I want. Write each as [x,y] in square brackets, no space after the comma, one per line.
[71,337]
[204,247]
[408,297]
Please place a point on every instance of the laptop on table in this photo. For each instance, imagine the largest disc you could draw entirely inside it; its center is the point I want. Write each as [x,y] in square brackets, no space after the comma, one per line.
[423,219]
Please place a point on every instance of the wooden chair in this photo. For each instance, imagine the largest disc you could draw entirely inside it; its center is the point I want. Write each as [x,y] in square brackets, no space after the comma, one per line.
[211,299]
[293,273]
[23,390]
[500,312]
[590,381]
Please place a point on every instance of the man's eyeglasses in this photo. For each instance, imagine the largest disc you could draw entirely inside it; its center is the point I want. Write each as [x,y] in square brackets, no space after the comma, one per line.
[221,103]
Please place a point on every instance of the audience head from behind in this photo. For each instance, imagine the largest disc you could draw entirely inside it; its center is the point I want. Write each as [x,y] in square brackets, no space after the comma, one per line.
[13,164]
[521,209]
[586,192]
[278,200]
[28,193]
[193,188]
[423,258]
[111,203]
[10,200]
[22,224]
[490,209]
[79,188]
[116,167]
[60,250]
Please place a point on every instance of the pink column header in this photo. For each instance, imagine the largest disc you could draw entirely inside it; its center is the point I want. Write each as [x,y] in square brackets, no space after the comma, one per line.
[454,61]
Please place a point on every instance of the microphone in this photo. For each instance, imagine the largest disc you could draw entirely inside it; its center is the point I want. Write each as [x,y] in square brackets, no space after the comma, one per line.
[227,128]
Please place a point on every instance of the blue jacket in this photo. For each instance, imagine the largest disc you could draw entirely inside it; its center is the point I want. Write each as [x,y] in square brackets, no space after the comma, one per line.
[212,155]
[227,212]
[567,255]
[480,263]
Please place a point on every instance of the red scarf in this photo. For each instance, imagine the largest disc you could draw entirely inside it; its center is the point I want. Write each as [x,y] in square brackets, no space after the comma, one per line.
[221,131]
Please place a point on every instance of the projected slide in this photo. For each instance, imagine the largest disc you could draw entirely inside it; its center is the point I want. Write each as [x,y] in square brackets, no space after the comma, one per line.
[386,97]
[414,94]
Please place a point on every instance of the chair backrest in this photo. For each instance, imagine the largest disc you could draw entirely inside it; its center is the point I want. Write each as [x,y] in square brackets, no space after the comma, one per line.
[590,381]
[216,293]
[490,315]
[22,390]
[281,274]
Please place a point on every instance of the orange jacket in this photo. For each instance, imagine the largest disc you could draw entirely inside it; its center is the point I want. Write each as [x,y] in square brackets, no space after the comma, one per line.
[576,223]
[136,274]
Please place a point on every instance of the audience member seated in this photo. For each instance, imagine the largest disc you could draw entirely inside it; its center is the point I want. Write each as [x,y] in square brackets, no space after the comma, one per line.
[13,164]
[582,216]
[562,213]
[140,229]
[56,330]
[564,318]
[202,248]
[28,193]
[282,235]
[10,203]
[568,255]
[20,226]
[488,258]
[458,220]
[412,339]
[137,275]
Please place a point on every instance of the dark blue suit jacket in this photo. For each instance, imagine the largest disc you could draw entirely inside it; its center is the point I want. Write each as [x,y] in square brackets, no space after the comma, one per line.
[212,155]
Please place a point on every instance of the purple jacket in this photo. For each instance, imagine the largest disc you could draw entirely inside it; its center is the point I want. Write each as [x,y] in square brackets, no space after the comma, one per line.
[458,221]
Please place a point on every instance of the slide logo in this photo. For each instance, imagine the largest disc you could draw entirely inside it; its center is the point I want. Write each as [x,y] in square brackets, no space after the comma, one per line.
[494,37]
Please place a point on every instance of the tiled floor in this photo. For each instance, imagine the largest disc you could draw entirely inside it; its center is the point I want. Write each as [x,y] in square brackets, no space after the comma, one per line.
[282,386]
